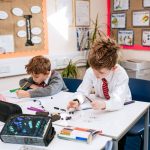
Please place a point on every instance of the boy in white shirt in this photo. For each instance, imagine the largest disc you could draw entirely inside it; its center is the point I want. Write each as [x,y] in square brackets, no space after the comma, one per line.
[109,79]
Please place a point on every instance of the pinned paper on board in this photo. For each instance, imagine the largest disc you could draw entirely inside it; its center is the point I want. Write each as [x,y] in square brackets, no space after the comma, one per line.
[125,37]
[3,15]
[36,30]
[4,46]
[118,20]
[17,12]
[82,39]
[141,18]
[121,4]
[19,22]
[35,9]
[146,38]
[82,13]
[146,3]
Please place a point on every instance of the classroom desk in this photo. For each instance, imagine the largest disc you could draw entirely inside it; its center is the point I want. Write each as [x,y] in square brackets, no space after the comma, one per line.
[98,143]
[113,124]
[61,99]
[116,124]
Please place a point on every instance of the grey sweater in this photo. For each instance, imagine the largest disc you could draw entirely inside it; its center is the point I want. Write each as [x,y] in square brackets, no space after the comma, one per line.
[55,85]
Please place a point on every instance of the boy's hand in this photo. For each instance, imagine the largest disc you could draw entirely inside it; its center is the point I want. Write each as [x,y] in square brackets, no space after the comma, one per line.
[98,105]
[22,94]
[34,86]
[73,104]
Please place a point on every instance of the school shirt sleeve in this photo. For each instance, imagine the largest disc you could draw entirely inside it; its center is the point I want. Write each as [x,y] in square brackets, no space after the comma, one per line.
[55,85]
[85,87]
[119,93]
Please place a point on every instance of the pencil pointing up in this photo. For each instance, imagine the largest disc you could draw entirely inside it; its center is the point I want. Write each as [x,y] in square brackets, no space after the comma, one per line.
[21,88]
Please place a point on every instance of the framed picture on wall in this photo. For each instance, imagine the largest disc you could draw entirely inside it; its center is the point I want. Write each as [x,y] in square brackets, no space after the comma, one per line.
[141,18]
[126,37]
[146,3]
[146,37]
[118,20]
[82,13]
[121,5]
[82,39]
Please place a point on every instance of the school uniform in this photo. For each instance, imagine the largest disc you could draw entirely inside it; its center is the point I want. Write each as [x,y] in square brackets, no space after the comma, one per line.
[52,85]
[119,91]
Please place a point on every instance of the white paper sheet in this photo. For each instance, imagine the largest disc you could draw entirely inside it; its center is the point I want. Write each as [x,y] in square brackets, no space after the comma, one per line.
[4,46]
[82,13]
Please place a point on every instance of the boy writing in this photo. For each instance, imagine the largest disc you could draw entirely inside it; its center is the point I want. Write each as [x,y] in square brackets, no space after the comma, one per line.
[43,80]
[108,78]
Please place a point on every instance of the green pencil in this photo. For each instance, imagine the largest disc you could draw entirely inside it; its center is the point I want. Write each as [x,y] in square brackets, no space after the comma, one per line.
[14,90]
[23,86]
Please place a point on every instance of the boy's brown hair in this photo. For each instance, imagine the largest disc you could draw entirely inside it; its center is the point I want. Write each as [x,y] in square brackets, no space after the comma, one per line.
[38,64]
[103,54]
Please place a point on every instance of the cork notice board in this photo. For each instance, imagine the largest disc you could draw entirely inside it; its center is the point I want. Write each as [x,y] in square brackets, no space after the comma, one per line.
[23,28]
[134,23]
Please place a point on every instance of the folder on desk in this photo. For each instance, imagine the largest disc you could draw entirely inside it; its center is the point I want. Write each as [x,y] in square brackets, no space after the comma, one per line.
[78,134]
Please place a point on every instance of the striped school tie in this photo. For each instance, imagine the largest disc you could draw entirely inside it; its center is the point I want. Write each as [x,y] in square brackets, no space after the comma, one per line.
[42,84]
[105,88]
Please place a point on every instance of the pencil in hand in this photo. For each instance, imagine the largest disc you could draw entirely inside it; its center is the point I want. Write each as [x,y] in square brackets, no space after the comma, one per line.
[89,99]
[21,88]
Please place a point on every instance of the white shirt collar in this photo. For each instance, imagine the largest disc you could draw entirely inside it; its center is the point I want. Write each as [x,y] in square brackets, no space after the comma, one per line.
[47,79]
[109,77]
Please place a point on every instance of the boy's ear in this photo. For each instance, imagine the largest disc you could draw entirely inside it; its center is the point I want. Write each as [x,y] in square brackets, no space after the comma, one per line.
[114,68]
[48,72]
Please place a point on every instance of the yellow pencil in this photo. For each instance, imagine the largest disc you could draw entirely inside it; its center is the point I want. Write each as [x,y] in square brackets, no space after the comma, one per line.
[23,86]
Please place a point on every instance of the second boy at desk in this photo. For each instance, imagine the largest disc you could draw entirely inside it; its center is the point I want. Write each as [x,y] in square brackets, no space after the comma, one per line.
[109,79]
[43,80]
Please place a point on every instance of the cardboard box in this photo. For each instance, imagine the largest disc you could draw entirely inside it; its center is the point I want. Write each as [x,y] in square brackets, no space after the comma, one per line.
[139,69]
[134,64]
[139,74]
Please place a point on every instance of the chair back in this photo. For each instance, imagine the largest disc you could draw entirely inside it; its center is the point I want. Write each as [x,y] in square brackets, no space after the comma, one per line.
[72,84]
[140,89]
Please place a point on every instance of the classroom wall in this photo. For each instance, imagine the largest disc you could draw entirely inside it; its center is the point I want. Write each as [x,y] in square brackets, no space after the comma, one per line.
[60,48]
[97,6]
[59,44]
[136,54]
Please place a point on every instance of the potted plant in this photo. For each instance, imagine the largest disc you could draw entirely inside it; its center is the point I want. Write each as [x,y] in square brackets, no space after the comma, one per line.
[70,71]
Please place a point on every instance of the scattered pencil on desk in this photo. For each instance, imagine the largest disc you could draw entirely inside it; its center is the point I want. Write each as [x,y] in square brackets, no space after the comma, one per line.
[35,109]
[129,102]
[57,108]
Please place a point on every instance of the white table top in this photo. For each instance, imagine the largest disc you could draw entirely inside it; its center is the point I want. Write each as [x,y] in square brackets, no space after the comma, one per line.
[98,143]
[113,124]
